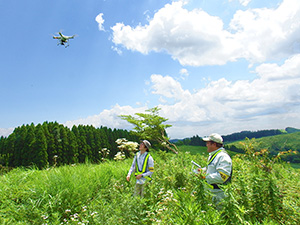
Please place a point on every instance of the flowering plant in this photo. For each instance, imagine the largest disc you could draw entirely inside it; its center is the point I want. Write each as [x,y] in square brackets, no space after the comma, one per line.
[127,147]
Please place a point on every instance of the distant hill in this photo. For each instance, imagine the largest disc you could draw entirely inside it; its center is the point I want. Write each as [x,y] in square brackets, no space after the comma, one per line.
[275,144]
[251,134]
[197,141]
[291,130]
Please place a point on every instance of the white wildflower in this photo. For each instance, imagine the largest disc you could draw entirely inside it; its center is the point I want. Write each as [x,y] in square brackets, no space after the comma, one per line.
[119,156]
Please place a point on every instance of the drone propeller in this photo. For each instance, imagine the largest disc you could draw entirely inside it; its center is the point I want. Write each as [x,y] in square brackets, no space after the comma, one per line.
[75,35]
[58,33]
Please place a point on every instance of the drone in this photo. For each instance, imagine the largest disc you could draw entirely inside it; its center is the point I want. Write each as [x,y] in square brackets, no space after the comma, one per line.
[63,39]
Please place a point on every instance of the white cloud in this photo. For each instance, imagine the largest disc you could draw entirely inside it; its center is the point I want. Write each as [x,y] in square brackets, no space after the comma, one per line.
[99,19]
[117,50]
[266,34]
[244,2]
[183,73]
[168,87]
[192,37]
[289,70]
[109,118]
[197,38]
[270,101]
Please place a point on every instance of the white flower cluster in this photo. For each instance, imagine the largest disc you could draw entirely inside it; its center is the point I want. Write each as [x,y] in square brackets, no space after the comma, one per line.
[119,156]
[78,218]
[167,196]
[126,146]
[104,152]
[121,140]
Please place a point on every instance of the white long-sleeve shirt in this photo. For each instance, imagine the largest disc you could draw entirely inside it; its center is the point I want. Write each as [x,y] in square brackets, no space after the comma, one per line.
[140,159]
[219,169]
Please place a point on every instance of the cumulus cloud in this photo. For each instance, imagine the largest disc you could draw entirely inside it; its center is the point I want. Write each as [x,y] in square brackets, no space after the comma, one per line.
[289,70]
[99,19]
[266,34]
[191,37]
[270,101]
[197,38]
[109,118]
[184,73]
[168,87]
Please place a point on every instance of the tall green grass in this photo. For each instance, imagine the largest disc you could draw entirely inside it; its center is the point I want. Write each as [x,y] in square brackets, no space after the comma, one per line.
[261,192]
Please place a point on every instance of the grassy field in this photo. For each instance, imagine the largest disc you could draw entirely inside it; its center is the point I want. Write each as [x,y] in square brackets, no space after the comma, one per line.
[193,149]
[261,192]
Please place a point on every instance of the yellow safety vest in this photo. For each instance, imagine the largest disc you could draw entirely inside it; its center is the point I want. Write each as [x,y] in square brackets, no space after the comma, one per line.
[213,156]
[137,171]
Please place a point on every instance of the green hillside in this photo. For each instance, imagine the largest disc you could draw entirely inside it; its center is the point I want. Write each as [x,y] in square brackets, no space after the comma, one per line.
[275,145]
[262,192]
[193,149]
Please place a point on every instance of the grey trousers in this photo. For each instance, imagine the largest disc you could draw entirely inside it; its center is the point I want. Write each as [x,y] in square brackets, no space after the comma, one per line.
[139,190]
[217,197]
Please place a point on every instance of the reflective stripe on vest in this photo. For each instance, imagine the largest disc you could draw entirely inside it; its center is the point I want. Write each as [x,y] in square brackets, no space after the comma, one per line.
[213,156]
[137,170]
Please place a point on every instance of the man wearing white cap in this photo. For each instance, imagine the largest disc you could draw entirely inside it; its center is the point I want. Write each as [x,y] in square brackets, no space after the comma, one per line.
[143,165]
[219,168]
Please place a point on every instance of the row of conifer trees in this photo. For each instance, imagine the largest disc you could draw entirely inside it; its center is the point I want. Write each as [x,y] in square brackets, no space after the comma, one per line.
[51,143]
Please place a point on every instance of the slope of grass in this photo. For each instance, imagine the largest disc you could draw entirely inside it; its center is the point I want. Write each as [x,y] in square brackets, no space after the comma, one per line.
[193,149]
[287,143]
[276,143]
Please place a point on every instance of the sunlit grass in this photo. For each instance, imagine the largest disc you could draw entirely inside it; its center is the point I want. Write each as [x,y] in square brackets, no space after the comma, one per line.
[99,194]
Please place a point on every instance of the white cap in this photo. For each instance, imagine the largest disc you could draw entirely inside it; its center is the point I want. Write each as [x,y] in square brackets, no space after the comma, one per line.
[147,144]
[215,138]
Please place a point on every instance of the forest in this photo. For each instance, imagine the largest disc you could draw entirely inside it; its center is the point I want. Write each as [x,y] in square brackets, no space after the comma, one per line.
[52,143]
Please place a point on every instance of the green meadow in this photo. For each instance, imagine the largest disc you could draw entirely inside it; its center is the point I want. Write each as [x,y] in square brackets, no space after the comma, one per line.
[263,191]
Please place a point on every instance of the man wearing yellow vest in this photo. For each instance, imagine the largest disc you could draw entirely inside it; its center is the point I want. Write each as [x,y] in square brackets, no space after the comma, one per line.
[219,168]
[143,166]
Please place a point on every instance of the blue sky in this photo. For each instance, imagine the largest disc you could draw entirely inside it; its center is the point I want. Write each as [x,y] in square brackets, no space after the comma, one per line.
[211,65]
